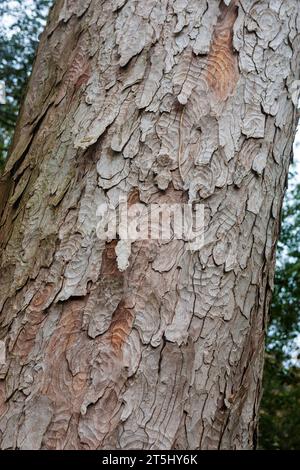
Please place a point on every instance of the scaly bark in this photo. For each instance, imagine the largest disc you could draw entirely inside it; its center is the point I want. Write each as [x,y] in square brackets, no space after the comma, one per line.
[158,101]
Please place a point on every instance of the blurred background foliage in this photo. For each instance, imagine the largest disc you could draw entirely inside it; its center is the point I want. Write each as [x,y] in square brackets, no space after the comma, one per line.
[280,408]
[20,25]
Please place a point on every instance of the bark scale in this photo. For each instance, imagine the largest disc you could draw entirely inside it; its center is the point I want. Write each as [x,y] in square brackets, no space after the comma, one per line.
[160,101]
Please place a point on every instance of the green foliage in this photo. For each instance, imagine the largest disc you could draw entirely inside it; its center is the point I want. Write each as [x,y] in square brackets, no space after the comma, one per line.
[280,417]
[20,26]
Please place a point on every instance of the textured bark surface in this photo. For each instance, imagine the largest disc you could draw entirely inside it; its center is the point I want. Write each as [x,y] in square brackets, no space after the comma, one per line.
[158,101]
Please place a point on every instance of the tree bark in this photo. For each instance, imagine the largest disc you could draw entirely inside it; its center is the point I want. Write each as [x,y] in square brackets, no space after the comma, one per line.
[168,101]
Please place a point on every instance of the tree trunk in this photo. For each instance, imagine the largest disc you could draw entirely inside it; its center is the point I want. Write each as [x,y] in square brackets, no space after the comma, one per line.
[145,345]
